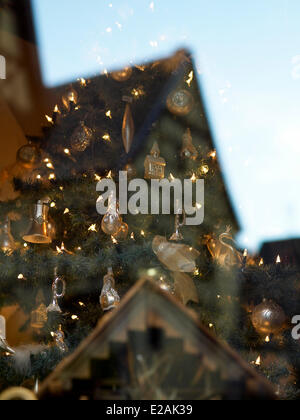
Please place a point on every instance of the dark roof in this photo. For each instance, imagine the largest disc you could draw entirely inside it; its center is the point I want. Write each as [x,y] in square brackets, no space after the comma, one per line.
[152,119]
[289,251]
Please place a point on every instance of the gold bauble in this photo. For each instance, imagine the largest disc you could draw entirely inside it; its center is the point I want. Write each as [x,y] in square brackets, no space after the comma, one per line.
[268,318]
[81,138]
[180,102]
[111,223]
[29,156]
[122,75]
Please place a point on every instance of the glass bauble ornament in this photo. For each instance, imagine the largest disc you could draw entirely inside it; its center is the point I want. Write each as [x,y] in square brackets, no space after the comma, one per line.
[122,75]
[180,102]
[29,156]
[112,221]
[81,138]
[123,232]
[109,298]
[7,243]
[268,318]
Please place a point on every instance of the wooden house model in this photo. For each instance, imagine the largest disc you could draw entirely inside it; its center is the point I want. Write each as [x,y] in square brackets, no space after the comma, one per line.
[152,348]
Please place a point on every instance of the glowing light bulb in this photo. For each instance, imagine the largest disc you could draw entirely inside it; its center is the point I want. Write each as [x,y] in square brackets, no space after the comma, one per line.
[108,114]
[49,119]
[82,81]
[92,228]
[204,169]
[194,178]
[190,79]
[106,137]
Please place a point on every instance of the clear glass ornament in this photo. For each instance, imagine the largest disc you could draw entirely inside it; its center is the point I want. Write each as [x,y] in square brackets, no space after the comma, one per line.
[154,164]
[54,306]
[109,298]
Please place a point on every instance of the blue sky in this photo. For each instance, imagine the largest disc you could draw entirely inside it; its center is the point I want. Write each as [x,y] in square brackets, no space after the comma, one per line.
[248,57]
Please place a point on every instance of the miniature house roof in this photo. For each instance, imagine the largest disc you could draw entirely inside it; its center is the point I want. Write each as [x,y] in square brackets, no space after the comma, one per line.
[152,347]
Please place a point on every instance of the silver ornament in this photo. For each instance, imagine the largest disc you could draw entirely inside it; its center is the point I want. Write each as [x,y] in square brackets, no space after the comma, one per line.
[180,102]
[109,298]
[59,337]
[54,306]
[177,236]
[4,347]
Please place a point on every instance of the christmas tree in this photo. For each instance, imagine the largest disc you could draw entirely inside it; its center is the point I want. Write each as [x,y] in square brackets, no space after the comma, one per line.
[63,266]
